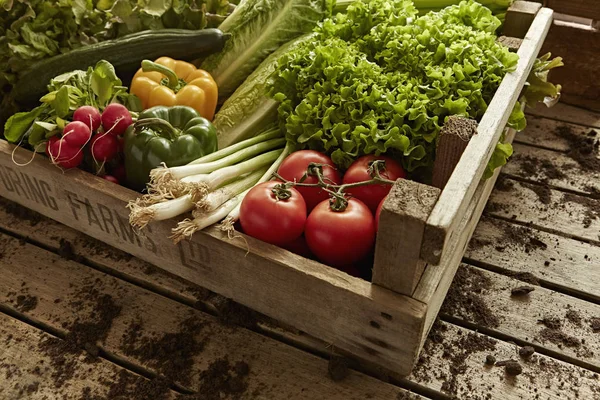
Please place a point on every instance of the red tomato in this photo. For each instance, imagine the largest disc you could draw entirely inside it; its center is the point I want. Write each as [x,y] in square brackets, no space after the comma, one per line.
[270,219]
[378,214]
[299,246]
[340,238]
[371,195]
[294,167]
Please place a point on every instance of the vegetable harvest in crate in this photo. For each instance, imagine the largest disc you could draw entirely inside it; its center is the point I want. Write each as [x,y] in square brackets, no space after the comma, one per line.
[319,113]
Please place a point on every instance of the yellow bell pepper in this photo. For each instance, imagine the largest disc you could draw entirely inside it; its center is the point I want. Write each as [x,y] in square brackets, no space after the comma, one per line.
[168,82]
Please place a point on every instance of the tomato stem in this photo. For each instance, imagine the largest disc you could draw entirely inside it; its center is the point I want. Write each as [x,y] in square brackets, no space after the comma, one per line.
[338,201]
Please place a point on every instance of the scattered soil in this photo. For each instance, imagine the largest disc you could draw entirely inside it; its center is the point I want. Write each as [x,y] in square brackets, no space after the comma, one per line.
[551,323]
[526,351]
[84,334]
[583,150]
[533,166]
[526,277]
[20,212]
[170,354]
[543,193]
[65,251]
[591,208]
[573,317]
[234,313]
[504,184]
[26,303]
[465,300]
[125,385]
[338,368]
[220,380]
[521,291]
[559,338]
[521,237]
[511,367]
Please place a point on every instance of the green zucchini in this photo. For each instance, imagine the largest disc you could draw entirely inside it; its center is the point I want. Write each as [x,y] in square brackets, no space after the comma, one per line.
[125,54]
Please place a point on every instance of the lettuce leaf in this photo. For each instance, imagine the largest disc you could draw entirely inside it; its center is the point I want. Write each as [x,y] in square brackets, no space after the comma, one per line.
[380,79]
[258,28]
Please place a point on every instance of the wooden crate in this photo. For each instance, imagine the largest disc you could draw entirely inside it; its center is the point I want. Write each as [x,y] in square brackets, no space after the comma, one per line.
[575,36]
[420,244]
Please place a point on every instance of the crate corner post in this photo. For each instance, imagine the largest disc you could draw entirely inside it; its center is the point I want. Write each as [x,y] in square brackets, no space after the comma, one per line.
[398,265]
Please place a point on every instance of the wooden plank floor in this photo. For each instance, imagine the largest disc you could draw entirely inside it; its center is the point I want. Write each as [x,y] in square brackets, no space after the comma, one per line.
[82,320]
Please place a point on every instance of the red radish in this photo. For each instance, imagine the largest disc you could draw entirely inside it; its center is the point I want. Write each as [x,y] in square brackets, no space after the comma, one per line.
[88,115]
[63,154]
[77,134]
[115,119]
[104,147]
[111,178]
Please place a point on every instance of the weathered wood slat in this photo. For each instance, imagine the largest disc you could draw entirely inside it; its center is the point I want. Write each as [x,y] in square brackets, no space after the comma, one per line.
[456,196]
[579,8]
[563,213]
[556,260]
[542,318]
[28,373]
[556,169]
[453,361]
[550,134]
[289,288]
[567,113]
[436,280]
[276,370]
[398,265]
[579,45]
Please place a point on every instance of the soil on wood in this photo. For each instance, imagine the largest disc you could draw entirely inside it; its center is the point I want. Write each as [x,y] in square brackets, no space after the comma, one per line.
[533,166]
[595,324]
[170,354]
[465,299]
[521,291]
[526,351]
[573,317]
[20,212]
[583,150]
[338,368]
[125,385]
[591,207]
[84,334]
[26,303]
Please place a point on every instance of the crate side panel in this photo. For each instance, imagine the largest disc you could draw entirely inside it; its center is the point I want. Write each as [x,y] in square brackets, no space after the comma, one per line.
[371,322]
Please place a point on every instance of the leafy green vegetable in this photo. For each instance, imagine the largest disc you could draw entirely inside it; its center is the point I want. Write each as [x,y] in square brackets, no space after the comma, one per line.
[98,86]
[32,30]
[249,110]
[380,79]
[257,28]
[537,88]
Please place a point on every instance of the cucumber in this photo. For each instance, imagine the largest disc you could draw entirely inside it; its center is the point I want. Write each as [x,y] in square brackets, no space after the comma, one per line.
[125,54]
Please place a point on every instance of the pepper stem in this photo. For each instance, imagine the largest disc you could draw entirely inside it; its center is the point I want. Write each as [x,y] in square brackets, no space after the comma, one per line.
[151,66]
[158,124]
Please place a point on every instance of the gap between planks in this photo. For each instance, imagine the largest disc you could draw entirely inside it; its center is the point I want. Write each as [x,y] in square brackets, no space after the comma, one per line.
[516,318]
[284,369]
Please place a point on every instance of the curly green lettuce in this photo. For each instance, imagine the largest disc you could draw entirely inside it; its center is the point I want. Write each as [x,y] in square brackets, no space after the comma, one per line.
[381,79]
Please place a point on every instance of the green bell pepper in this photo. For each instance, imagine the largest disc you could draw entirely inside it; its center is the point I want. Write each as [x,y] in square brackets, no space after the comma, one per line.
[172,135]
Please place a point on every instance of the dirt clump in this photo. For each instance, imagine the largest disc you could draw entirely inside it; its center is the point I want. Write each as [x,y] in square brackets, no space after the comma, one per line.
[26,302]
[511,367]
[583,150]
[595,324]
[521,291]
[171,354]
[464,299]
[337,368]
[526,351]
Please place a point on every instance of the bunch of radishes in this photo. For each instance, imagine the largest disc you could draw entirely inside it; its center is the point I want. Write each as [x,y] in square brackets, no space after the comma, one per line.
[99,135]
